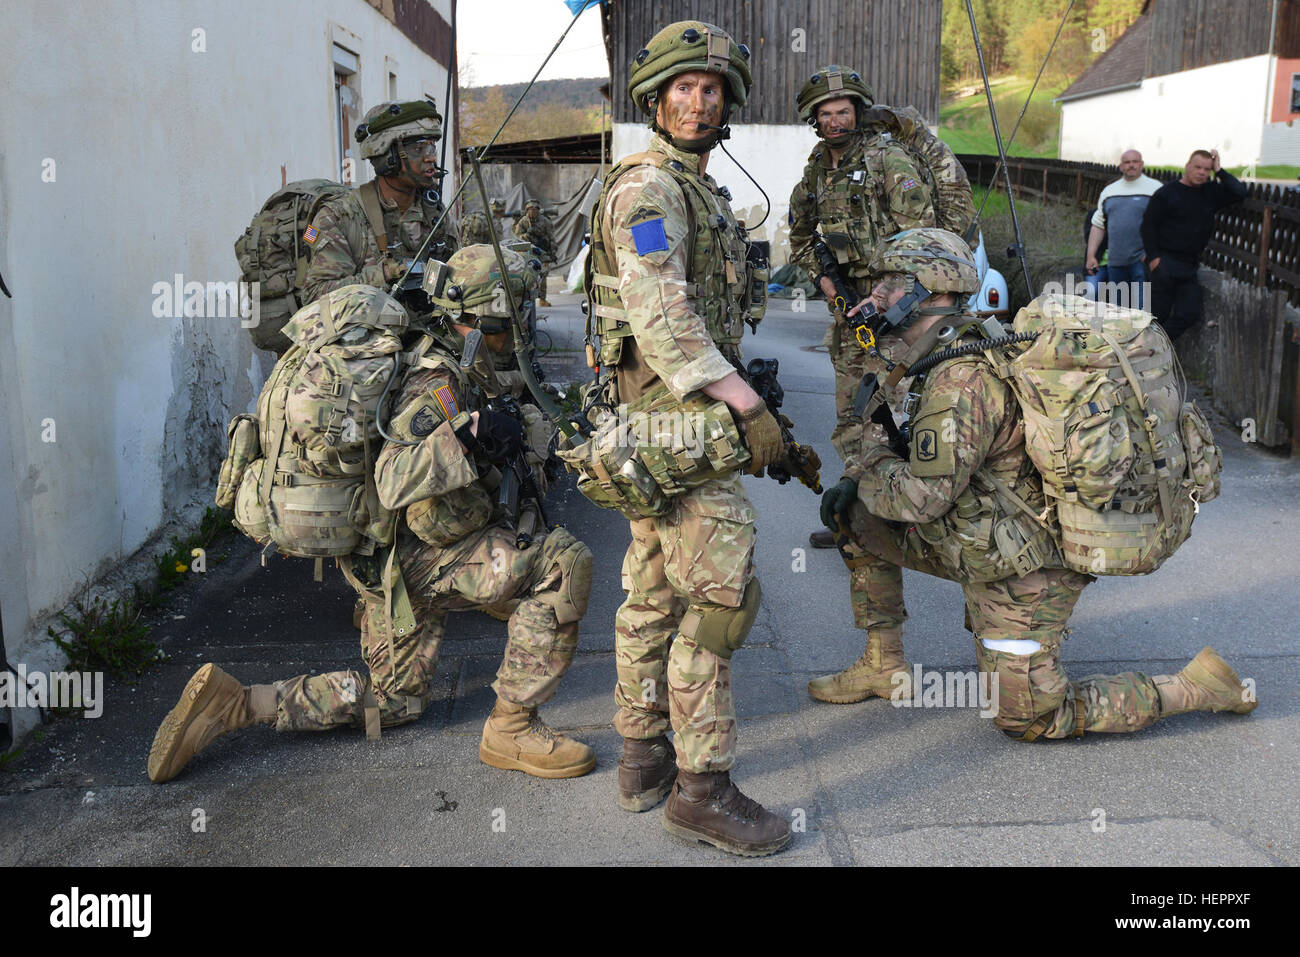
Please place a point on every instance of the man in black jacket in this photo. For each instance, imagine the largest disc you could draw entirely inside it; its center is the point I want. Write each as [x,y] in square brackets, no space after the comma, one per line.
[1178,223]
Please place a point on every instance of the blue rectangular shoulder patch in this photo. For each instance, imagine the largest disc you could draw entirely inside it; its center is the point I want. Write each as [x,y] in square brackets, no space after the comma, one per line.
[650,237]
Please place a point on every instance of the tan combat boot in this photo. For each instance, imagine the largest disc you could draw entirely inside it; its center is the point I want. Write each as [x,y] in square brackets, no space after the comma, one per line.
[646,771]
[1208,683]
[516,739]
[212,703]
[709,808]
[872,675]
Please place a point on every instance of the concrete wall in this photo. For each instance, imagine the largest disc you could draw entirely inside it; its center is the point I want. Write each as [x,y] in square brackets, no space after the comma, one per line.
[1219,107]
[773,155]
[136,150]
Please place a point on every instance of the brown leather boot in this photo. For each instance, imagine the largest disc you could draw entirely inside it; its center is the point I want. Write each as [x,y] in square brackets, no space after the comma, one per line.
[646,772]
[516,739]
[212,703]
[709,808]
[1208,683]
[822,538]
[872,675]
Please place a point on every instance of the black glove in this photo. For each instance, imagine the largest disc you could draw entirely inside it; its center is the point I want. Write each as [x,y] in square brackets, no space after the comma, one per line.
[500,437]
[836,502]
[538,372]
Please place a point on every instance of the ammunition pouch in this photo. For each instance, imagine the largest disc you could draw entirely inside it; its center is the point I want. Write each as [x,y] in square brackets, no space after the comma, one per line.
[654,450]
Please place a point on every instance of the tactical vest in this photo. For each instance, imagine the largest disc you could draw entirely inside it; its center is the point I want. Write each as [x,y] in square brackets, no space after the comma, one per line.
[717,281]
[986,535]
[849,208]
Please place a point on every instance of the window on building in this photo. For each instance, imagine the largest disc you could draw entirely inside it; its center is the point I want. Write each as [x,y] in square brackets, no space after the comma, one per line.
[1295,92]
[392,87]
[347,101]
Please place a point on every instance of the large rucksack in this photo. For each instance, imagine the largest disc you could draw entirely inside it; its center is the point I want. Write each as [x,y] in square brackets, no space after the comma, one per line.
[300,473]
[271,252]
[954,207]
[1125,459]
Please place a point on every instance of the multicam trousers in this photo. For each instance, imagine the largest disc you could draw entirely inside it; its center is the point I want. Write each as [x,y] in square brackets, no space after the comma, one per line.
[1035,697]
[701,551]
[549,579]
[851,362]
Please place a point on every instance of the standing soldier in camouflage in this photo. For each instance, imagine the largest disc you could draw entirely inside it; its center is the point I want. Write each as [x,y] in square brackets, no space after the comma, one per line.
[857,189]
[536,228]
[498,209]
[668,279]
[454,551]
[370,235]
[967,459]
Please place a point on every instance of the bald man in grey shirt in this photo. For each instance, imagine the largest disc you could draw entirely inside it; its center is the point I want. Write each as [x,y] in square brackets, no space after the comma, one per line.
[1119,219]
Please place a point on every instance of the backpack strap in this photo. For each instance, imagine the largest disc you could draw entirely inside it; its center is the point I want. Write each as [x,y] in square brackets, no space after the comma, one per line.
[368,193]
[1158,458]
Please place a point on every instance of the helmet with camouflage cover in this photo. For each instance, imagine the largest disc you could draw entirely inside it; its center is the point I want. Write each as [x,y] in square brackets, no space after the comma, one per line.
[937,259]
[386,125]
[834,82]
[497,206]
[471,292]
[683,47]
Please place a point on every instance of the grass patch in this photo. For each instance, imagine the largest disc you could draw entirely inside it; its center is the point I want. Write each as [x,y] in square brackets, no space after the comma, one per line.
[965,126]
[113,637]
[1053,238]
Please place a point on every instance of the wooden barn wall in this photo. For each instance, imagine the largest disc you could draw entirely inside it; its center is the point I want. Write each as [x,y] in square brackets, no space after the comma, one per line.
[1186,34]
[894,43]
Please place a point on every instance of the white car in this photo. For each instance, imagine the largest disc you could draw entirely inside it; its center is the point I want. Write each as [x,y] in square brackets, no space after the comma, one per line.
[992,295]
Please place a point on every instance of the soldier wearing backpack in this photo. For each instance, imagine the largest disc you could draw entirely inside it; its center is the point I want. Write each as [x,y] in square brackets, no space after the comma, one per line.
[369,234]
[971,503]
[858,188]
[417,524]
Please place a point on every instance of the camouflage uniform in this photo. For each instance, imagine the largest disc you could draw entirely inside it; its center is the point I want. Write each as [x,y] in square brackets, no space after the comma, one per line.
[345,249]
[537,229]
[440,490]
[699,553]
[910,515]
[890,195]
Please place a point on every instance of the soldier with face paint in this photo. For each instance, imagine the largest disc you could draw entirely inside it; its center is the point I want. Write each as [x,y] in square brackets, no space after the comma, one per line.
[668,284]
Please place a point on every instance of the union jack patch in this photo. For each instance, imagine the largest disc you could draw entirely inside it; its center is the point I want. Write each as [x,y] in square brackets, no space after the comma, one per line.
[309,236]
[909,184]
[447,400]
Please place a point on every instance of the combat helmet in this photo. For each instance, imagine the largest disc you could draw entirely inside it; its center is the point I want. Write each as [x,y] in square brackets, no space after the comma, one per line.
[470,292]
[833,82]
[683,47]
[937,259]
[386,125]
[497,206]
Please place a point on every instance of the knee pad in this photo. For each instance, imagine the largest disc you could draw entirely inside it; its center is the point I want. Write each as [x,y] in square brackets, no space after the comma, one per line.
[719,628]
[1030,687]
[573,559]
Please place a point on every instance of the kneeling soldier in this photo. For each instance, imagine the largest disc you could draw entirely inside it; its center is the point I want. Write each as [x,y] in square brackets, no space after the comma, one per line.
[455,550]
[968,459]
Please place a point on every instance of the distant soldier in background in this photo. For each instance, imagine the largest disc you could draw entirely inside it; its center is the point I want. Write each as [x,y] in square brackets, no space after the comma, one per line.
[536,228]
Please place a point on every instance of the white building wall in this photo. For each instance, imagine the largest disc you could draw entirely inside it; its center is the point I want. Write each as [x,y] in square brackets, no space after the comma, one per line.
[128,157]
[1167,117]
[773,155]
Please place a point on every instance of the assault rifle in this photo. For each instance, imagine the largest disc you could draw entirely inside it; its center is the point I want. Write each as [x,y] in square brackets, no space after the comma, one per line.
[845,297]
[797,461]
[870,403]
[517,480]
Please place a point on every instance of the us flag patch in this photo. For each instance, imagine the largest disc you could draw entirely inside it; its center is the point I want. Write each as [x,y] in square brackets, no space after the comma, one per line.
[447,400]
[309,236]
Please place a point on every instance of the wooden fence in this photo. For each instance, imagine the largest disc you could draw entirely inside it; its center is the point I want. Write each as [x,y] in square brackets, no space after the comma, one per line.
[1256,241]
[1254,372]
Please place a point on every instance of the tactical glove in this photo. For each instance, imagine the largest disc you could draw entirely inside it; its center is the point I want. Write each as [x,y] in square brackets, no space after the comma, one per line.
[836,502]
[500,438]
[762,436]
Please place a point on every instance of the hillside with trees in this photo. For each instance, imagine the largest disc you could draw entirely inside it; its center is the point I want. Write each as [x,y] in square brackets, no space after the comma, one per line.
[552,108]
[1016,36]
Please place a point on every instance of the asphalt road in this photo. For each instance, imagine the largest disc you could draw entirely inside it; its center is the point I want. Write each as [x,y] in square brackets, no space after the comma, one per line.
[865,784]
